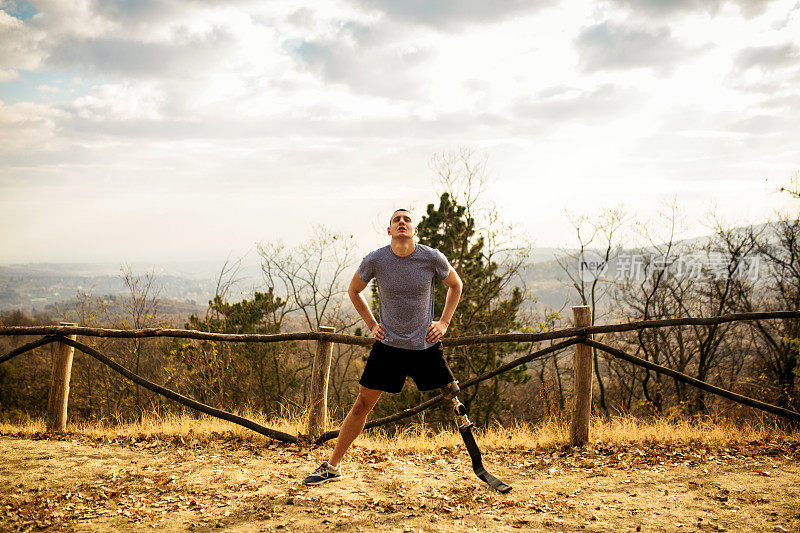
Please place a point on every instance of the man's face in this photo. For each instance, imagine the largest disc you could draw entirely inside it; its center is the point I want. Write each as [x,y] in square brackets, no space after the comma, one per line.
[402,224]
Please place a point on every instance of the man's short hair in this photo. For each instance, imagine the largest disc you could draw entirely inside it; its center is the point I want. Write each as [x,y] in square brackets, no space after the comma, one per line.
[401,209]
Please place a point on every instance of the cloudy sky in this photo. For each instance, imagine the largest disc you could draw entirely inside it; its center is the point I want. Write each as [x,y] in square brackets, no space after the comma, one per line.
[162,130]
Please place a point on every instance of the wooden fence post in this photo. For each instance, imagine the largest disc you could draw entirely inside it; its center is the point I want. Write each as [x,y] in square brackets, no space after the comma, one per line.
[59,385]
[320,372]
[582,381]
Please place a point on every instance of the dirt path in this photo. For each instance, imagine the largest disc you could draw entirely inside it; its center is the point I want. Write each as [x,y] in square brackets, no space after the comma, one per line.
[131,484]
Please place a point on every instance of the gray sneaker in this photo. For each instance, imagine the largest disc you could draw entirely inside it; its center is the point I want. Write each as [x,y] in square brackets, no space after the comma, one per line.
[323,474]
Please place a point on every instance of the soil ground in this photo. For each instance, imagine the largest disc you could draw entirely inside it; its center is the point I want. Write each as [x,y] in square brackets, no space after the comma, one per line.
[77,483]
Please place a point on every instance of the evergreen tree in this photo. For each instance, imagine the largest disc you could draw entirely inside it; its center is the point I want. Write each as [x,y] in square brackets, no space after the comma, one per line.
[237,375]
[487,306]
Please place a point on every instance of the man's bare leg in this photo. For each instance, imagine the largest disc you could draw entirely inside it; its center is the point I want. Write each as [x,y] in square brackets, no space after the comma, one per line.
[354,422]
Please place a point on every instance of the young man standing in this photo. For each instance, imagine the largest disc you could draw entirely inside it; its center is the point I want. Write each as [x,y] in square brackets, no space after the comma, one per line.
[407,336]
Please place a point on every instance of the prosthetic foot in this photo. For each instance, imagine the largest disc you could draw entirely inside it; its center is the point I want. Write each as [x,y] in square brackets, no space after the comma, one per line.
[465,428]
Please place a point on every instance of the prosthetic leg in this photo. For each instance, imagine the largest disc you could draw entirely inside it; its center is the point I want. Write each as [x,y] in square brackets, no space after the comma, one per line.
[450,392]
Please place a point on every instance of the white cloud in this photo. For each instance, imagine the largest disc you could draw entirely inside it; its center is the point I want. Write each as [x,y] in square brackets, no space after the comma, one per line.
[114,57]
[563,104]
[660,8]
[770,76]
[7,74]
[75,18]
[615,46]
[18,44]
[768,57]
[453,14]
[119,103]
[26,127]
[364,58]
[48,89]
[272,116]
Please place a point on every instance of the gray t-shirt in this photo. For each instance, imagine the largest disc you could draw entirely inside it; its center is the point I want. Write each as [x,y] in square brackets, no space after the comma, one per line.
[405,288]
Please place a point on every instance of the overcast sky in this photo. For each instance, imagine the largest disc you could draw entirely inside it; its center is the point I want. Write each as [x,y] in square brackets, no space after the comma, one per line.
[164,130]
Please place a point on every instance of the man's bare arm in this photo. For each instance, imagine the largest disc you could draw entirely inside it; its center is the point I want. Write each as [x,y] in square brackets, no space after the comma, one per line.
[438,328]
[363,310]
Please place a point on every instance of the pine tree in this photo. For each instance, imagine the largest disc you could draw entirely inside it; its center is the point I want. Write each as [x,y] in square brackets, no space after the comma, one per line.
[239,375]
[487,305]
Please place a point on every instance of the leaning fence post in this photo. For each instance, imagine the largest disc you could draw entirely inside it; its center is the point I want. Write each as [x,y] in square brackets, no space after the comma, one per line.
[582,381]
[318,405]
[59,385]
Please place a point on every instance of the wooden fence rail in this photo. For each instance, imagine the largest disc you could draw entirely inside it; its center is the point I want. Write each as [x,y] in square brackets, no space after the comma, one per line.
[580,336]
[367,341]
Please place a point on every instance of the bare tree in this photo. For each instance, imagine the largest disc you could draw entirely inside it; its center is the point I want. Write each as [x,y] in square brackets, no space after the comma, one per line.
[687,279]
[775,285]
[464,177]
[142,307]
[641,291]
[598,243]
[312,278]
[96,390]
[489,255]
[793,187]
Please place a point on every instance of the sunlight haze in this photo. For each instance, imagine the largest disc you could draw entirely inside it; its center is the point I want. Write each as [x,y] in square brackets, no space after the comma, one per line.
[165,131]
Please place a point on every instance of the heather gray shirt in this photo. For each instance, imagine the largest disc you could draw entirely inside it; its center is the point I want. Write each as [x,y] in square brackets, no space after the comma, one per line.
[405,290]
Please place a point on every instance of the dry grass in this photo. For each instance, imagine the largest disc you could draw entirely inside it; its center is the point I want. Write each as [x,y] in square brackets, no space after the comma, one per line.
[181,473]
[552,433]
[160,425]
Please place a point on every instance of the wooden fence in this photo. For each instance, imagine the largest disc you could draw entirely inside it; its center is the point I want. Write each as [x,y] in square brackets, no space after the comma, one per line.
[579,336]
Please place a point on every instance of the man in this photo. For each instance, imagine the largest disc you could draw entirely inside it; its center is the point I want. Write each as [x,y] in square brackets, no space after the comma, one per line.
[407,336]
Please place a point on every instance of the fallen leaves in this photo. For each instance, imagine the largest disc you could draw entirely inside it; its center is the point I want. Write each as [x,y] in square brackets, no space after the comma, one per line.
[231,480]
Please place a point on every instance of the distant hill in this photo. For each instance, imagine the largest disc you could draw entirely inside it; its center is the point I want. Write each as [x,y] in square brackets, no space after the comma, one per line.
[552,288]
[35,286]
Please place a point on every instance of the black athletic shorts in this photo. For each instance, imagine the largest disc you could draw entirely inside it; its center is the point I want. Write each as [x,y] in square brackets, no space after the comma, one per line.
[387,368]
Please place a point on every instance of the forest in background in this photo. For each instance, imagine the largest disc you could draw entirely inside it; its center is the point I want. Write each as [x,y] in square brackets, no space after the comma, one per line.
[755,268]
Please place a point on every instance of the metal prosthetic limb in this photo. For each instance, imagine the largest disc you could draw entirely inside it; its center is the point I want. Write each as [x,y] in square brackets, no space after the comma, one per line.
[450,392]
